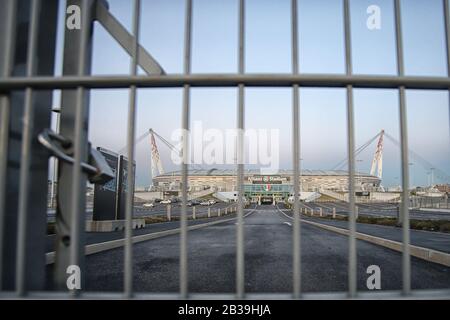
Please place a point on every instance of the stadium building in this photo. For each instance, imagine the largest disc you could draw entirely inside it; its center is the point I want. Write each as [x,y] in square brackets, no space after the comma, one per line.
[257,186]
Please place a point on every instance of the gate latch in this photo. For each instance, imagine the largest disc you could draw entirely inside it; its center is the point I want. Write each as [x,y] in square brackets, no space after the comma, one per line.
[97,168]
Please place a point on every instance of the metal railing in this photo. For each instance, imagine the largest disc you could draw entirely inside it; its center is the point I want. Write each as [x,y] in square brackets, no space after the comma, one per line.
[75,84]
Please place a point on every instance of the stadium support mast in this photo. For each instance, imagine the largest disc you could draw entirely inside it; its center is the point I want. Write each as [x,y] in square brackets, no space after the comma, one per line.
[156,160]
[377,162]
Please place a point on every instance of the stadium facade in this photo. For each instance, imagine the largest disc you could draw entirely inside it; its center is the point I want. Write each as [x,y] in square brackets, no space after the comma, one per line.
[277,186]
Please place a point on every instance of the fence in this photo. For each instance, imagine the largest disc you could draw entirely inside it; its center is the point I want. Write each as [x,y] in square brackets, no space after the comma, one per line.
[439,202]
[27,40]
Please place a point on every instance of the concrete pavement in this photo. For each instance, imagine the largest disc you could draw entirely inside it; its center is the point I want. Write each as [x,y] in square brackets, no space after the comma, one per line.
[268,261]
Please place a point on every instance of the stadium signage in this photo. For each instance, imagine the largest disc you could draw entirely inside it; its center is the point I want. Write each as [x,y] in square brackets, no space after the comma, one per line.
[267,179]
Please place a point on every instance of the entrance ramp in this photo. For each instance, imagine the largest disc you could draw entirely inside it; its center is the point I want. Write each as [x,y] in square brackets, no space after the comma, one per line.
[334,195]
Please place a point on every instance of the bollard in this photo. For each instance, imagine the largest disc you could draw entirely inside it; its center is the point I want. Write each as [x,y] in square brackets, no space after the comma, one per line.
[356,212]
[320,211]
[312,212]
[169,211]
[218,212]
[399,216]
[209,212]
[226,211]
[193,212]
[334,213]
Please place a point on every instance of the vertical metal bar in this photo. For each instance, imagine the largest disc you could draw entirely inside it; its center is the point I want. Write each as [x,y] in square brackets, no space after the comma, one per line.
[447,40]
[6,65]
[27,135]
[406,263]
[406,260]
[74,58]
[447,32]
[38,165]
[352,285]
[296,158]
[128,274]
[240,255]
[78,212]
[184,166]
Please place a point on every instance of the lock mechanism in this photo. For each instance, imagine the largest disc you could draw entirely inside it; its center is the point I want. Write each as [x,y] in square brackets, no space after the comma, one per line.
[97,168]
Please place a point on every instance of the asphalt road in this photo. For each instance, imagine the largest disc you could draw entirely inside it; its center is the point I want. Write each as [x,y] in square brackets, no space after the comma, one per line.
[268,261]
[379,210]
[97,237]
[428,239]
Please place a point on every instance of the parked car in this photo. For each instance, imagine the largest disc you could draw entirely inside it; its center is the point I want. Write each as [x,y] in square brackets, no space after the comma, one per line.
[148,205]
[212,201]
[157,200]
[193,203]
[168,201]
[205,203]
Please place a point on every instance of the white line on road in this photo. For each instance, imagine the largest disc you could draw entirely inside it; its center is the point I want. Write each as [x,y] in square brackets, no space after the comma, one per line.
[288,223]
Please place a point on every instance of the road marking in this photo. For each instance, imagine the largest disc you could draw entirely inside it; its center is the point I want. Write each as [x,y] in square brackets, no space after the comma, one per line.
[284,214]
[288,223]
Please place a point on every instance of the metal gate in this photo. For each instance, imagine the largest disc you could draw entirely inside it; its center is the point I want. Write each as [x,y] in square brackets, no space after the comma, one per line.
[27,52]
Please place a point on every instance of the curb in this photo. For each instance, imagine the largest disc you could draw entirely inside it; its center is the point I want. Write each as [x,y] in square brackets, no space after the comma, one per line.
[442,211]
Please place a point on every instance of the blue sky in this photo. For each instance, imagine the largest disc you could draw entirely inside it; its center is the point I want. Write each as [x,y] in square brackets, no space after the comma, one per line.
[268,49]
